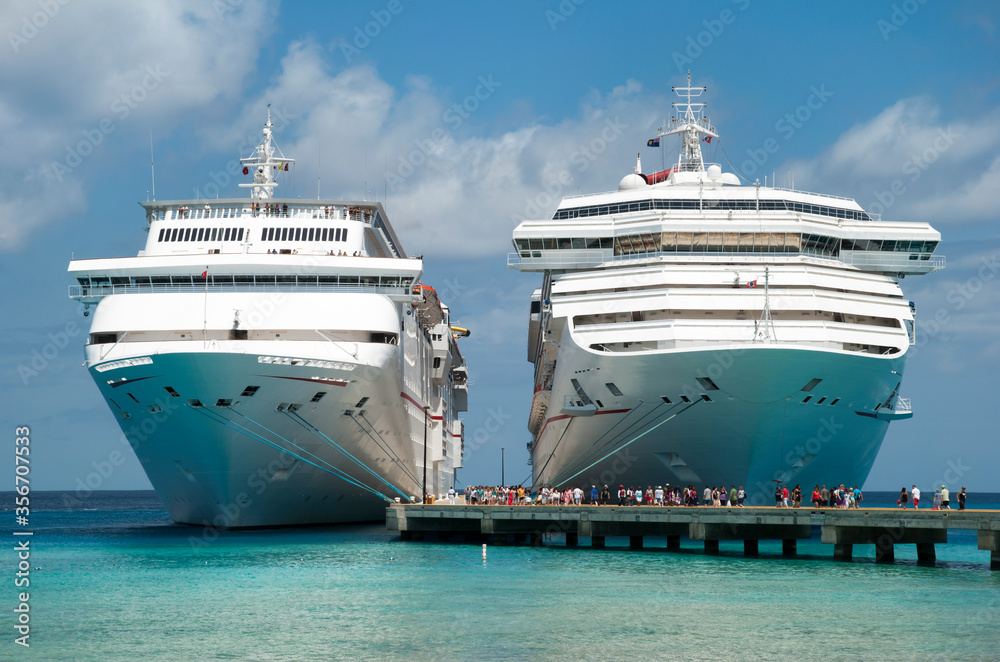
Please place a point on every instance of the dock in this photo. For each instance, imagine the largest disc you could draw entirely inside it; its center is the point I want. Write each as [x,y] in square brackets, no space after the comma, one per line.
[521,525]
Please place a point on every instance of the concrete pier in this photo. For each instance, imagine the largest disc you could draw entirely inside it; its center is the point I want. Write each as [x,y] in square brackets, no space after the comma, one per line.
[883,527]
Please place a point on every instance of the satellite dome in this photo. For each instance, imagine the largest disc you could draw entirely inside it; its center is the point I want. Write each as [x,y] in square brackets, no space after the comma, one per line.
[714,172]
[631,181]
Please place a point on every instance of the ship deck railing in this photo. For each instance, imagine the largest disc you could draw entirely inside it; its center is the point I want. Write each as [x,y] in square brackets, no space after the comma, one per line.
[80,292]
[582,258]
[769,188]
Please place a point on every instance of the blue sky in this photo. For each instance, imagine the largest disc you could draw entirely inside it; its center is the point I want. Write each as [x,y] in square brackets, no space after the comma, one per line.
[463,119]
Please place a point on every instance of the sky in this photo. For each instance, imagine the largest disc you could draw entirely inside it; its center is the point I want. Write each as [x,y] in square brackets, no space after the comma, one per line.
[465,118]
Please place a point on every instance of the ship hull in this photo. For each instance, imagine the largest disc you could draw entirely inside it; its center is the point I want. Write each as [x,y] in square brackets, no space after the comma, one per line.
[749,424]
[253,462]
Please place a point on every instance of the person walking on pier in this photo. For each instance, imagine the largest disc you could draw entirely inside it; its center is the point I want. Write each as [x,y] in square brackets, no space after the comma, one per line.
[936,501]
[797,496]
[961,499]
[777,496]
[605,496]
[915,496]
[784,496]
[945,502]
[621,495]
[825,495]
[451,495]
[706,495]
[741,497]
[903,498]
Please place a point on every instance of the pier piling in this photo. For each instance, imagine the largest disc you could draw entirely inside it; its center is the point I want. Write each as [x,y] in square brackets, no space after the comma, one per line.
[843,529]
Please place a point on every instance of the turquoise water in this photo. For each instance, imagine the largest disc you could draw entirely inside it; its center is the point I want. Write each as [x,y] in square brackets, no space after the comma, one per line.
[118,581]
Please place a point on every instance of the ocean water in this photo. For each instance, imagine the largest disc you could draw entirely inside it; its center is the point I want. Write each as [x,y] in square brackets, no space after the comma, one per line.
[113,579]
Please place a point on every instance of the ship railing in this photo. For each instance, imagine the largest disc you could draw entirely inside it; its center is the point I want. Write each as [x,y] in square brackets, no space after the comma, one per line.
[569,259]
[261,210]
[893,259]
[98,292]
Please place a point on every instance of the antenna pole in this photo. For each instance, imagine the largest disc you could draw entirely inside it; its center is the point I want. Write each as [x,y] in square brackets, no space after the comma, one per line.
[152,167]
[319,168]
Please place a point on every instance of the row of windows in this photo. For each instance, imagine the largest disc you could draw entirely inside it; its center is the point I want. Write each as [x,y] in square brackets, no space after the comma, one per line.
[200,234]
[721,242]
[716,205]
[249,279]
[304,234]
[267,234]
[888,245]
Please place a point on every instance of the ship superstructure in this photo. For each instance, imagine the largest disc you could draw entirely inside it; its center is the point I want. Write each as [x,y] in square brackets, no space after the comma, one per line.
[691,330]
[276,361]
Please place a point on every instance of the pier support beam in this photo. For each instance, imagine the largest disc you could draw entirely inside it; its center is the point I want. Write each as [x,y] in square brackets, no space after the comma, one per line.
[711,546]
[885,552]
[843,551]
[925,552]
[635,542]
[751,547]
[405,535]
[673,542]
[597,542]
[789,546]
[537,539]
[885,538]
[990,540]
[572,538]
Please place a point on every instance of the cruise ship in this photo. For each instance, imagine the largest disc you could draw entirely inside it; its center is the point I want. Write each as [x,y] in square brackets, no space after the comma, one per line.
[276,361]
[691,329]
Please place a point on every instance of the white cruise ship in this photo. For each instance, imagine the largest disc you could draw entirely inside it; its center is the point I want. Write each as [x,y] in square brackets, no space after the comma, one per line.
[691,330]
[276,361]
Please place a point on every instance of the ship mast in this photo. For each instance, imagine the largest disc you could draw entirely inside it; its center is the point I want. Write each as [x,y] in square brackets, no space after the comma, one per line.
[263,165]
[691,123]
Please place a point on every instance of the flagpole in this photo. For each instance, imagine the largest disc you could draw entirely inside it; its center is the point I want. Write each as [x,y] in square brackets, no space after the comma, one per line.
[204,330]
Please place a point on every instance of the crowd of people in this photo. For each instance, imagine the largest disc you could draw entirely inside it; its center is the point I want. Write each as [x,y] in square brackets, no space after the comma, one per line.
[940,501]
[516,495]
[839,497]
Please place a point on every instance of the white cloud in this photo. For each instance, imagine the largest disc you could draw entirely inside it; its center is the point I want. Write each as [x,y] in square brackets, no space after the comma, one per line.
[907,163]
[79,75]
[450,191]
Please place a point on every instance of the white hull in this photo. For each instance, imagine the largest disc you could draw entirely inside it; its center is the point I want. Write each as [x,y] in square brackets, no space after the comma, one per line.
[250,462]
[753,430]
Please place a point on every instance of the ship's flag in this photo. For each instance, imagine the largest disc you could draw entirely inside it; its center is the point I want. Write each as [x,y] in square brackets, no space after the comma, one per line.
[204,274]
[246,170]
[653,142]
[752,283]
[286,167]
[707,139]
